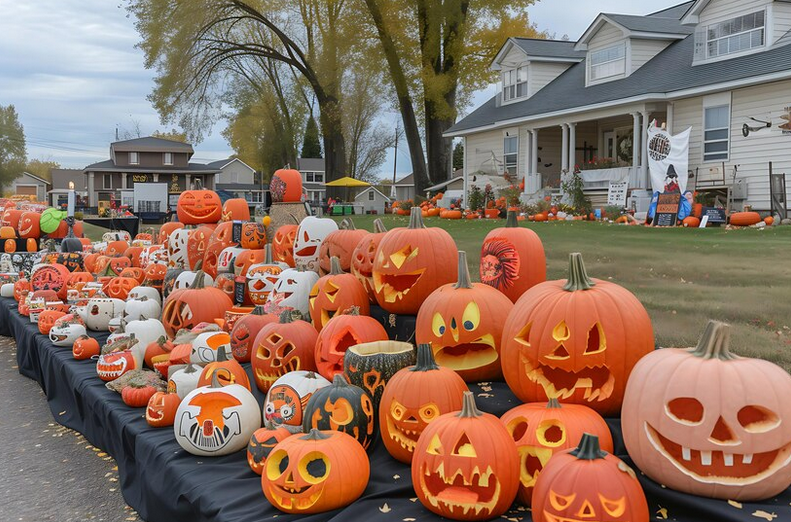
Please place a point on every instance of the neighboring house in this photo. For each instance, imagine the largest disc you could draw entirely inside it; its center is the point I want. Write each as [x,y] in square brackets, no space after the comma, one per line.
[61,178]
[30,185]
[405,188]
[372,200]
[146,160]
[238,178]
[313,178]
[712,65]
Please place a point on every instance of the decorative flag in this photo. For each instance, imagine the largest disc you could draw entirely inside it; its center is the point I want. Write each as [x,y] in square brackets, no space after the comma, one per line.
[668,159]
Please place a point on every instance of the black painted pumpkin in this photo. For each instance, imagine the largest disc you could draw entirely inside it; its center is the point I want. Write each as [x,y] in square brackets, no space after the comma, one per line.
[341,407]
[371,365]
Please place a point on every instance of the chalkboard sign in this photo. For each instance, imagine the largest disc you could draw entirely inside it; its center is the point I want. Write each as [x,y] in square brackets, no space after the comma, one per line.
[667,209]
[716,215]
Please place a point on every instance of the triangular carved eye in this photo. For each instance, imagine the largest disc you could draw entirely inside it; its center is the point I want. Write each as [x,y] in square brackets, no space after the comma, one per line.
[464,447]
[586,510]
[402,256]
[523,337]
[435,446]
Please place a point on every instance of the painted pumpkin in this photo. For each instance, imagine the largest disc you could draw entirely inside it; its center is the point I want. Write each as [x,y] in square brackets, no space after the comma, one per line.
[184,380]
[464,322]
[206,347]
[161,409]
[342,407]
[262,443]
[411,263]
[261,278]
[282,347]
[228,371]
[187,308]
[311,233]
[196,207]
[512,259]
[85,347]
[317,472]
[251,235]
[340,244]
[283,244]
[576,340]
[286,186]
[587,483]
[709,423]
[371,365]
[216,420]
[245,330]
[476,446]
[66,330]
[289,395]
[29,225]
[364,256]
[236,209]
[292,290]
[541,431]
[340,333]
[334,293]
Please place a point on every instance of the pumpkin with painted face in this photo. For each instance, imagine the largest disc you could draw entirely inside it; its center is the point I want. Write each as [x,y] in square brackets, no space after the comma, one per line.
[466,466]
[317,472]
[463,322]
[364,256]
[262,277]
[292,290]
[706,422]
[340,244]
[411,263]
[282,347]
[342,407]
[262,443]
[216,420]
[341,332]
[371,365]
[311,233]
[196,207]
[245,330]
[542,430]
[29,225]
[197,304]
[289,395]
[334,293]
[588,484]
[161,409]
[576,340]
[283,244]
[66,330]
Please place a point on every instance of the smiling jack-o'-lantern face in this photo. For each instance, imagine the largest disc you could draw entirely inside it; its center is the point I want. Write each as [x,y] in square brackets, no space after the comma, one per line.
[283,244]
[310,235]
[341,332]
[161,409]
[199,206]
[732,444]
[29,225]
[110,366]
[197,242]
[262,443]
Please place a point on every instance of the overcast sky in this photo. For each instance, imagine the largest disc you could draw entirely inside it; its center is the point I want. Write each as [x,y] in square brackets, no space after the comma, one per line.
[71,69]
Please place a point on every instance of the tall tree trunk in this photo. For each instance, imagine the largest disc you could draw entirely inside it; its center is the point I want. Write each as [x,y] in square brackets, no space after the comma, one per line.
[334,143]
[439,148]
[405,105]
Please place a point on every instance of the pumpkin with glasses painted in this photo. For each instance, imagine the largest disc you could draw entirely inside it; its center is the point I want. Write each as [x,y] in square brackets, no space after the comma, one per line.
[576,340]
[707,422]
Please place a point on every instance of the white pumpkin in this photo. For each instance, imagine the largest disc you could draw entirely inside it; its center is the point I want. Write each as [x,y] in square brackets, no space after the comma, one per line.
[292,289]
[206,345]
[99,311]
[115,326]
[117,235]
[66,330]
[187,277]
[216,420]
[144,243]
[7,290]
[154,255]
[310,235]
[177,248]
[184,380]
[142,308]
[146,331]
[144,291]
[226,259]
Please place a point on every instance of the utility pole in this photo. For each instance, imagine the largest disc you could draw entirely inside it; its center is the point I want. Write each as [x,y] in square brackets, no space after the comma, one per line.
[395,165]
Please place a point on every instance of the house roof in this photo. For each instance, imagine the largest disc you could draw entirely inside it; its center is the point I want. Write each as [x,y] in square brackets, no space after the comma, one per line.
[37,178]
[665,23]
[310,164]
[365,191]
[192,168]
[406,181]
[440,186]
[668,74]
[151,144]
[221,164]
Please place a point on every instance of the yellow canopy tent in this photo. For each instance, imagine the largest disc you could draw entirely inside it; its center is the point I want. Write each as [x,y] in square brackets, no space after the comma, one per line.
[347,182]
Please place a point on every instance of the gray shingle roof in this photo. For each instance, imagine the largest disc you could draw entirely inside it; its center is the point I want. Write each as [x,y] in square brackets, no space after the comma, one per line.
[548,48]
[109,166]
[310,165]
[219,163]
[149,144]
[651,24]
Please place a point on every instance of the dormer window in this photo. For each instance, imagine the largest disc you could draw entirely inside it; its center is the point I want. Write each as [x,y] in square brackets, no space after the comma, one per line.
[736,35]
[515,83]
[134,158]
[168,158]
[608,62]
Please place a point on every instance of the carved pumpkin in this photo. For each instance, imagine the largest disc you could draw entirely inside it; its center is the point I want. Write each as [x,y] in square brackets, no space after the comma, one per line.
[46,320]
[576,340]
[587,483]
[541,430]
[262,443]
[119,287]
[167,229]
[311,233]
[228,371]
[50,277]
[475,445]
[196,207]
[364,256]
[292,290]
[187,308]
[116,235]
[286,186]
[197,243]
[216,420]
[709,423]
[110,366]
[340,333]
[341,407]
[219,241]
[371,365]
[141,291]
[251,235]
[226,283]
[334,293]
[11,218]
[283,244]
[155,276]
[317,472]
[116,248]
[184,380]
[340,244]
[207,346]
[136,273]
[161,409]
[261,278]
[411,263]
[289,395]
[236,209]
[512,259]
[227,258]
[177,249]
[29,225]
[66,330]
[282,347]
[100,310]
[463,323]
[245,330]
[21,289]
[85,347]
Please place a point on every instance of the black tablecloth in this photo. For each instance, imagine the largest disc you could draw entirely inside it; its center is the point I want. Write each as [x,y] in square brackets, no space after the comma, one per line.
[130,224]
[165,483]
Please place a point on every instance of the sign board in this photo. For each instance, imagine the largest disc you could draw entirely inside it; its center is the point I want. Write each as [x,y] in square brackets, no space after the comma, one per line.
[667,209]
[715,215]
[616,195]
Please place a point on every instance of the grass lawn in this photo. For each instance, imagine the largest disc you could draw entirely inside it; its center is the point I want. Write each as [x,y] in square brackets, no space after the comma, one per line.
[683,277]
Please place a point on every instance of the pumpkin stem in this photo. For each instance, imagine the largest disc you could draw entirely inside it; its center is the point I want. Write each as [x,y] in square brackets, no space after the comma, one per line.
[199,282]
[268,259]
[714,342]
[464,272]
[335,266]
[215,380]
[258,310]
[588,448]
[379,227]
[553,403]
[347,224]
[199,264]
[315,434]
[352,310]
[416,218]
[511,221]
[468,408]
[222,356]
[578,277]
[425,359]
[340,380]
[190,368]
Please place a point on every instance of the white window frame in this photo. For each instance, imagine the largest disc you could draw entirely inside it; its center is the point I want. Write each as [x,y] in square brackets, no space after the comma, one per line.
[592,67]
[507,155]
[308,177]
[167,158]
[512,80]
[105,178]
[371,195]
[318,177]
[716,157]
[134,158]
[726,38]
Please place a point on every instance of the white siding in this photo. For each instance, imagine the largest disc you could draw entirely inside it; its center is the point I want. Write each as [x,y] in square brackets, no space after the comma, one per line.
[721,10]
[642,51]
[377,204]
[481,146]
[515,56]
[781,11]
[605,37]
[236,172]
[541,74]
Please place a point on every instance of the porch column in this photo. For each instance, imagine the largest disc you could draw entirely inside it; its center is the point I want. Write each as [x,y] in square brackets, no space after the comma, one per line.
[123,180]
[528,147]
[188,182]
[91,195]
[564,150]
[464,173]
[644,149]
[156,178]
[572,146]
[535,179]
[636,141]
[670,110]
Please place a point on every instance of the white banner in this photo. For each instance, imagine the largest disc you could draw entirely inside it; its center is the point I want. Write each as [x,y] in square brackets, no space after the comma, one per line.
[668,159]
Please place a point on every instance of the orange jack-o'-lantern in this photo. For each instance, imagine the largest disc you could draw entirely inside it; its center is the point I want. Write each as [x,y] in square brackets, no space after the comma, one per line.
[334,293]
[197,243]
[576,340]
[283,244]
[541,430]
[463,322]
[227,283]
[119,287]
[116,248]
[29,225]
[21,289]
[85,347]
[220,239]
[252,236]
[466,466]
[262,278]
[199,206]
[136,273]
[228,371]
[46,320]
[187,308]
[342,407]
[706,422]
[155,276]
[282,347]
[364,256]
[245,260]
[236,209]
[340,244]
[411,263]
[110,366]
[262,443]
[245,330]
[161,410]
[289,395]
[167,229]
[341,332]
[50,277]
[588,484]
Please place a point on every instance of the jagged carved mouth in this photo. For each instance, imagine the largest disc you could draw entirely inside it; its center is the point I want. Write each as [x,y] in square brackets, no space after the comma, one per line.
[112,369]
[591,384]
[467,356]
[156,415]
[459,494]
[395,286]
[292,497]
[268,378]
[719,467]
[406,438]
[531,461]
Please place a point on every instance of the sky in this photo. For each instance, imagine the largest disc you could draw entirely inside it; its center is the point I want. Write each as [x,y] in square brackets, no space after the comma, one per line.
[71,69]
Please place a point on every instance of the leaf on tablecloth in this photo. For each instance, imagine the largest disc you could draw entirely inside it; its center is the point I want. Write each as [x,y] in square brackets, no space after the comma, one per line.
[385,508]
[763,514]
[737,505]
[62,413]
[413,499]
[661,513]
[409,520]
[485,395]
[396,477]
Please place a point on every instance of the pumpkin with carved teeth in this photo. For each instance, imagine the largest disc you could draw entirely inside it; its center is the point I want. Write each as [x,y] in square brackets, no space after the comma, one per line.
[364,256]
[66,330]
[334,293]
[196,207]
[110,366]
[311,233]
[283,244]
[576,340]
[706,422]
[282,347]
[341,332]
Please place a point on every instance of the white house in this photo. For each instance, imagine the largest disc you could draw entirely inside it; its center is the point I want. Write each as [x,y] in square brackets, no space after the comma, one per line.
[238,178]
[28,184]
[722,67]
[312,170]
[372,200]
